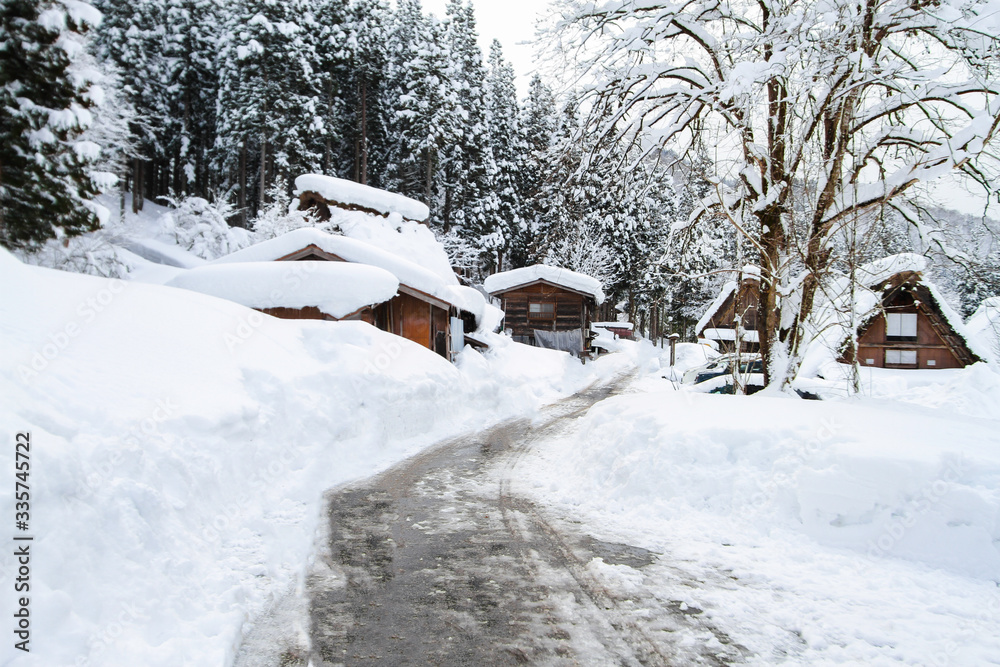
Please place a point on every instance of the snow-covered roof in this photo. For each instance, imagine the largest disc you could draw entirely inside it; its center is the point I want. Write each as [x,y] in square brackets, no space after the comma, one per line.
[508,280]
[875,273]
[352,250]
[613,325]
[724,293]
[748,335]
[984,324]
[336,288]
[364,196]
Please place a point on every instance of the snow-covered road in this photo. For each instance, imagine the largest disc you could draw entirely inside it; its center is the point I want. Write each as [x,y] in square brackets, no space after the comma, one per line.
[438,562]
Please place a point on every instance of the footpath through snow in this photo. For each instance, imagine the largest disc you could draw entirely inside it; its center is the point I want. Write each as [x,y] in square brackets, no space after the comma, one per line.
[181,445]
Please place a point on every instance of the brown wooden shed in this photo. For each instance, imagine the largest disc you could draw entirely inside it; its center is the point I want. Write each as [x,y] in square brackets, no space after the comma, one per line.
[547,299]
[912,329]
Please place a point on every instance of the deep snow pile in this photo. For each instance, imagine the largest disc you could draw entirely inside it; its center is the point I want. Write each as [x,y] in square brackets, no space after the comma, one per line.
[336,288]
[838,532]
[181,445]
[355,194]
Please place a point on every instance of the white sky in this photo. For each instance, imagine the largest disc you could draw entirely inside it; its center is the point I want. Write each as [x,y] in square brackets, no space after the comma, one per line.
[510,21]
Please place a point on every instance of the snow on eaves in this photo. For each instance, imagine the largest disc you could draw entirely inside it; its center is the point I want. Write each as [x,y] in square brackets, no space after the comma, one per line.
[507,280]
[875,273]
[727,289]
[364,196]
[352,250]
[954,320]
[336,288]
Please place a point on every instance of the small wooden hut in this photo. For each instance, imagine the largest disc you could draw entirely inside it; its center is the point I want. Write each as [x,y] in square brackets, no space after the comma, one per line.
[913,328]
[547,306]
[734,312]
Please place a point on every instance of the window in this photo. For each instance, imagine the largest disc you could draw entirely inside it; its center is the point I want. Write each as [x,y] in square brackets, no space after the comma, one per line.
[541,311]
[901,326]
[900,357]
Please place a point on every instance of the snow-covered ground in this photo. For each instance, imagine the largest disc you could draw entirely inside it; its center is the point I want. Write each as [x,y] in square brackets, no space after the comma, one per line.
[181,445]
[862,531]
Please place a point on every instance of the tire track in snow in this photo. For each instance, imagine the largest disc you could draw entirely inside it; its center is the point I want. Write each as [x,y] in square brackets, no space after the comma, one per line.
[435,562]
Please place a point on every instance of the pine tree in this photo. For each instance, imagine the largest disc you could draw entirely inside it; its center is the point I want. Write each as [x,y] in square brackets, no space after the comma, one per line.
[132,37]
[332,75]
[46,184]
[538,125]
[420,106]
[466,163]
[270,104]
[365,118]
[505,148]
[192,41]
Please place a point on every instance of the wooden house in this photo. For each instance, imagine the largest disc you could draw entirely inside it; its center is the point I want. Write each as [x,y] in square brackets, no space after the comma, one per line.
[547,306]
[734,311]
[426,309]
[912,325]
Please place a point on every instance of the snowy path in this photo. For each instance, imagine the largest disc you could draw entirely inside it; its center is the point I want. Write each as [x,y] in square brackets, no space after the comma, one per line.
[438,562]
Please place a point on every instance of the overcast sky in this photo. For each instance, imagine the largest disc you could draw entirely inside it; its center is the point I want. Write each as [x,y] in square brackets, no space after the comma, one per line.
[510,21]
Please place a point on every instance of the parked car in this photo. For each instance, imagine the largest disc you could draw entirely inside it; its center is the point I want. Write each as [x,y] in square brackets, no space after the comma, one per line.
[750,367]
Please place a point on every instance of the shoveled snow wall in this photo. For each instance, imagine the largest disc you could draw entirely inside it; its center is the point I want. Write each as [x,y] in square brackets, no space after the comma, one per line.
[181,445]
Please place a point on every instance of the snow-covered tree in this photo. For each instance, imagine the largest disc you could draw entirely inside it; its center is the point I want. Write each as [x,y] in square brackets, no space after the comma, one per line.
[814,113]
[269,100]
[506,149]
[132,38]
[419,106]
[47,181]
[367,33]
[463,191]
[192,40]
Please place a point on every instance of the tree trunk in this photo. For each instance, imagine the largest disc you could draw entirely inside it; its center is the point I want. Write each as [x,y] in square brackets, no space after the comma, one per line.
[363,157]
[263,173]
[242,181]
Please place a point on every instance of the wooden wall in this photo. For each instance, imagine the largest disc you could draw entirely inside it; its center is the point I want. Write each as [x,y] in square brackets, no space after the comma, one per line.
[570,310]
[314,313]
[414,319]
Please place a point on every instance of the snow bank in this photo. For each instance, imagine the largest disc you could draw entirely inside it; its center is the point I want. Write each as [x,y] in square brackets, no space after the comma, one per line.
[863,532]
[353,250]
[984,325]
[182,444]
[336,288]
[912,484]
[506,280]
[356,194]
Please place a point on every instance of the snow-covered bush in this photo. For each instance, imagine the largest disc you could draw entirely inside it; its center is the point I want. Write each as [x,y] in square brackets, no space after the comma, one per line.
[92,254]
[202,227]
[281,216]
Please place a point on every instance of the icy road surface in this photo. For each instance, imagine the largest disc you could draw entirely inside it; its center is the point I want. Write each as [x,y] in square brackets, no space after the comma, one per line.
[437,562]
